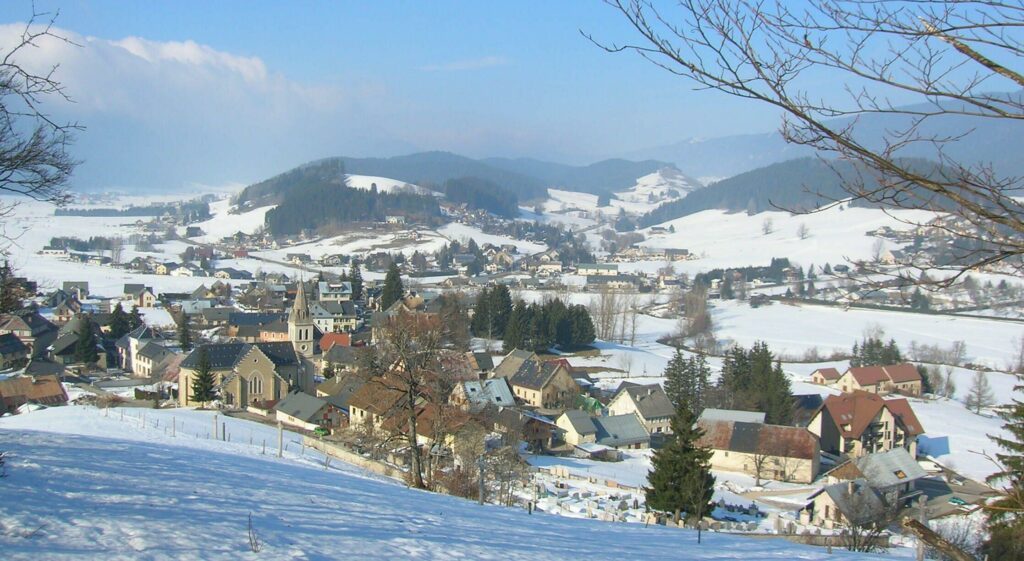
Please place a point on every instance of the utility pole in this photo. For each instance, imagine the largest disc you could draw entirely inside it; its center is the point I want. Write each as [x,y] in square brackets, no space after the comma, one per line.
[280,439]
[215,426]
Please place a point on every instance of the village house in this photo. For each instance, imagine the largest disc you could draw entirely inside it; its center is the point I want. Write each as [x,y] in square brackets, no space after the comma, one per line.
[13,353]
[545,385]
[763,451]
[893,474]
[604,269]
[551,268]
[334,291]
[338,391]
[373,403]
[38,390]
[151,359]
[306,412]
[649,403]
[475,395]
[841,505]
[859,423]
[79,289]
[333,316]
[618,432]
[894,378]
[140,295]
[35,331]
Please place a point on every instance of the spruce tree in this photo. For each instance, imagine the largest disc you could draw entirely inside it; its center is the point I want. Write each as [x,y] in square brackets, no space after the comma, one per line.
[582,326]
[1006,515]
[185,333]
[482,323]
[10,293]
[85,347]
[134,318]
[680,480]
[500,306]
[355,276]
[675,382]
[515,332]
[701,381]
[203,382]
[118,322]
[393,290]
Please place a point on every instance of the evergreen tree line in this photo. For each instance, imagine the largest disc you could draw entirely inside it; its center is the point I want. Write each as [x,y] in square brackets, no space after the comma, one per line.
[492,311]
[481,194]
[538,327]
[753,380]
[775,271]
[871,351]
[393,289]
[687,382]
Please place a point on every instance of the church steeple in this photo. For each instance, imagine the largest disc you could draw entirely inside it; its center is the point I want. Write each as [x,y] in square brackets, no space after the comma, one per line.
[300,325]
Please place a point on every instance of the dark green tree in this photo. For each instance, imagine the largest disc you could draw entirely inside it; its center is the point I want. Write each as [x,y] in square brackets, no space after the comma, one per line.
[203,389]
[583,332]
[10,292]
[85,347]
[328,371]
[676,385]
[500,307]
[355,276]
[1006,515]
[393,289]
[185,332]
[518,325]
[134,318]
[119,325]
[680,480]
[483,319]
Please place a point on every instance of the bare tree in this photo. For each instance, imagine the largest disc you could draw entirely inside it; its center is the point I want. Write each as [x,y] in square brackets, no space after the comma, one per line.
[767,226]
[34,161]
[940,60]
[116,250]
[979,396]
[802,231]
[604,309]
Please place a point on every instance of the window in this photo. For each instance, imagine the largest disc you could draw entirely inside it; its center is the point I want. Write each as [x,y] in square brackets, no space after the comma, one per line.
[256,384]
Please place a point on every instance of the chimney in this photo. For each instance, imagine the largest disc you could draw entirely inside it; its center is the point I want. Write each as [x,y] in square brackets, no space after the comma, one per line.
[849,487]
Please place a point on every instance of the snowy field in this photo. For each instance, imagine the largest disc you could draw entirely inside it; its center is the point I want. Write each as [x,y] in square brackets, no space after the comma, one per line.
[84,486]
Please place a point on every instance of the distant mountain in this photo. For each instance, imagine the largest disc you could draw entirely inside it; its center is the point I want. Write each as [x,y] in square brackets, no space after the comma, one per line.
[796,185]
[607,176]
[994,141]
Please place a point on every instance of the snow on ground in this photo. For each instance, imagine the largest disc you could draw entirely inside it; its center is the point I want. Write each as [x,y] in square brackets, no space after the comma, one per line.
[157,317]
[465,232]
[793,329]
[226,221]
[649,192]
[385,184]
[84,486]
[722,239]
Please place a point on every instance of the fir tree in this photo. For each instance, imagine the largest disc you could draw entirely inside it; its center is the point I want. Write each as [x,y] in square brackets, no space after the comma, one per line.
[483,321]
[85,347]
[675,380]
[185,333]
[680,480]
[1006,515]
[134,319]
[118,322]
[10,292]
[500,307]
[701,373]
[583,332]
[393,290]
[515,332]
[355,276]
[203,389]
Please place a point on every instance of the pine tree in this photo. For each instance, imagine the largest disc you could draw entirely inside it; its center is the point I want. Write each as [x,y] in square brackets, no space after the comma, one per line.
[10,292]
[85,347]
[515,332]
[134,319]
[675,380]
[680,480]
[701,382]
[500,306]
[1006,515]
[185,333]
[483,321]
[393,290]
[582,328]
[203,382]
[355,276]
[118,322]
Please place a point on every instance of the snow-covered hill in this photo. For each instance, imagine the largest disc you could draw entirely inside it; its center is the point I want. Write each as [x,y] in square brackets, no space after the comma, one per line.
[83,485]
[650,191]
[385,184]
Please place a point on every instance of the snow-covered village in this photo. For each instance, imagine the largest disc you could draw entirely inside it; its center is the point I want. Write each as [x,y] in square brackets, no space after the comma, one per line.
[640,321]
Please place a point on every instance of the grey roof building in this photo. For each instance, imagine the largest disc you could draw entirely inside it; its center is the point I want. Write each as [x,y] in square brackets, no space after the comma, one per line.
[302,406]
[731,415]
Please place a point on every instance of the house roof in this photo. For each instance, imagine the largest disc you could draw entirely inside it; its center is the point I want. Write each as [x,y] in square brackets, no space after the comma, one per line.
[830,374]
[341,388]
[859,506]
[377,396]
[651,401]
[301,405]
[481,361]
[882,469]
[26,320]
[620,430]
[868,375]
[759,438]
[38,367]
[11,345]
[280,353]
[45,389]
[710,414]
[493,390]
[858,409]
[512,362]
[902,373]
[339,354]
[580,421]
[534,375]
[153,351]
[805,406]
[255,318]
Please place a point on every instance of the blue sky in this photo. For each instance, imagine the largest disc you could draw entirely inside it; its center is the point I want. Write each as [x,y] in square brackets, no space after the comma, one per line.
[239,90]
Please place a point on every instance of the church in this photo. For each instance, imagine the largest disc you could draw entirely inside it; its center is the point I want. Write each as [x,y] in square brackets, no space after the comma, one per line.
[248,373]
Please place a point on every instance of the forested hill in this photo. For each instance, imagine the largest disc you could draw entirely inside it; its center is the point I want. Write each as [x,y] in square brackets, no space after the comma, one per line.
[797,185]
[316,198]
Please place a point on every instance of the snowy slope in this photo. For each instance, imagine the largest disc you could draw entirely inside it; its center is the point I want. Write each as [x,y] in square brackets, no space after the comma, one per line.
[82,486]
[385,184]
[650,191]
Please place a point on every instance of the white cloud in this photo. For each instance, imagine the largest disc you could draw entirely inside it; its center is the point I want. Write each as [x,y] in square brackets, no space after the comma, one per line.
[468,64]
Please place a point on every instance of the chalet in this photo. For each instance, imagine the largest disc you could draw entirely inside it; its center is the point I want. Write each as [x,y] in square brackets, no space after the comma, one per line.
[894,378]
[230,273]
[480,362]
[394,220]
[825,376]
[859,423]
[306,412]
[39,390]
[215,316]
[763,451]
[649,403]
[165,268]
[619,432]
[139,295]
[604,269]
[334,291]
[188,270]
[50,251]
[247,373]
[374,402]
[893,474]
[546,385]
[63,312]
[13,353]
[515,425]
[332,316]
[152,359]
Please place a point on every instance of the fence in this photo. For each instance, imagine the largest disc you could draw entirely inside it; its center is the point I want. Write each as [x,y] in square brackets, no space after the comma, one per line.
[350,457]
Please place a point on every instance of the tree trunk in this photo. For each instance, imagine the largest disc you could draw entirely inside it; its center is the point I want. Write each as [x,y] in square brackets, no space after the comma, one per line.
[925,534]
[416,461]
